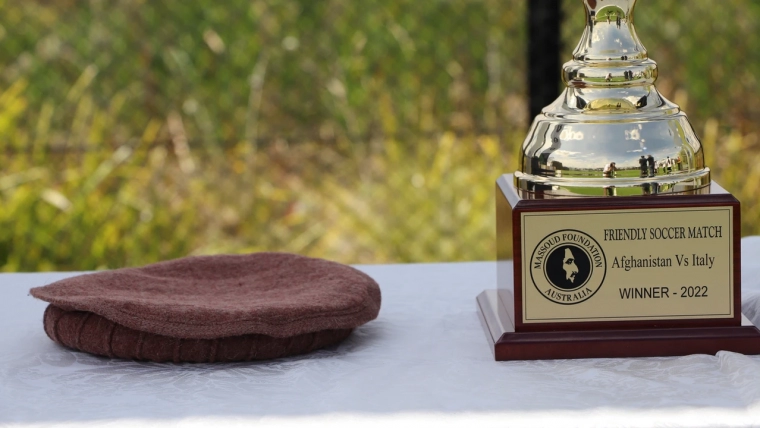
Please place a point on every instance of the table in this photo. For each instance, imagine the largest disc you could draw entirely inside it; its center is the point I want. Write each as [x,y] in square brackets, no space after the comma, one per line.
[424,361]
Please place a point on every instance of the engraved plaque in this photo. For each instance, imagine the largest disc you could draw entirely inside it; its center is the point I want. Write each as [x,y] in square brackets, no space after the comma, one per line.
[627,264]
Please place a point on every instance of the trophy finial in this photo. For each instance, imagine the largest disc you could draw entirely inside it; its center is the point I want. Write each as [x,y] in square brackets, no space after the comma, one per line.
[611,129]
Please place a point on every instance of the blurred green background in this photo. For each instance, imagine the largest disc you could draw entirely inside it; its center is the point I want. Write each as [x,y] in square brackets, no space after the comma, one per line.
[133,131]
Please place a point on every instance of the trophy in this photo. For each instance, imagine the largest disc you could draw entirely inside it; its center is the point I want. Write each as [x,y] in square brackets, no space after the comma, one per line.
[620,243]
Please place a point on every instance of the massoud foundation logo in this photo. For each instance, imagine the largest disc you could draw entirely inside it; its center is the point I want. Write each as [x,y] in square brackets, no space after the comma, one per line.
[568,267]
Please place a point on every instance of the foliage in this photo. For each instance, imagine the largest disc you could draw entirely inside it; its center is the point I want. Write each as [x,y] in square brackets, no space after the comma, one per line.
[364,132]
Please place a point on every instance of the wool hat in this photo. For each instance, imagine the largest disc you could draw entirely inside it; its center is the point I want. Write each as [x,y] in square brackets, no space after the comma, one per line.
[211,308]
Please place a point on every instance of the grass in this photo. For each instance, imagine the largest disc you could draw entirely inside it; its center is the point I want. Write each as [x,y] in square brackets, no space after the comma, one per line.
[362,132]
[621,173]
[618,191]
[130,207]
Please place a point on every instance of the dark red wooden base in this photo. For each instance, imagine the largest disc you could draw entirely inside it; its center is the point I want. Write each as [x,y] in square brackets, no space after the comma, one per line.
[654,342]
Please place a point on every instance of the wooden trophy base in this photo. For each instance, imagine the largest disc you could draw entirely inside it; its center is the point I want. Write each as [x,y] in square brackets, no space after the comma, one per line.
[508,345]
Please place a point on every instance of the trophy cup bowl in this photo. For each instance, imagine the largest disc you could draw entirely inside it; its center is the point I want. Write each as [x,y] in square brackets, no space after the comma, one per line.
[611,133]
[612,240]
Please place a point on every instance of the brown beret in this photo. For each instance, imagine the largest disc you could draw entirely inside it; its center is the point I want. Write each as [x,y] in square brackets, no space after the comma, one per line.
[211,308]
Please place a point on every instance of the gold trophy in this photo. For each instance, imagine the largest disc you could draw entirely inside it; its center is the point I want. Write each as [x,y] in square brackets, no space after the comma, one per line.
[620,243]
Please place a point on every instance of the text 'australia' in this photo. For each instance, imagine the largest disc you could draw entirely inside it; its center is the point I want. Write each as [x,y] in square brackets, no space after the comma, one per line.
[577,296]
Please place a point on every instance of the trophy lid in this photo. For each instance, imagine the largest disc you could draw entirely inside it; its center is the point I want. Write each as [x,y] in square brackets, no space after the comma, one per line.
[611,133]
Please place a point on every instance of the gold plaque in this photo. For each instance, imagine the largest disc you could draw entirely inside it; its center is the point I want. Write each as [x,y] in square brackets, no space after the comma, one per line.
[656,264]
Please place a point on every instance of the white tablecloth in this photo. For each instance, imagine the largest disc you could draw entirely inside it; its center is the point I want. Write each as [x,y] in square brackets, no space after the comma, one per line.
[424,361]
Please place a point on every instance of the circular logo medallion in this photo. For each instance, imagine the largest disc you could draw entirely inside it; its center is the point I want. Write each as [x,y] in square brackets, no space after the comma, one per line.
[568,267]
